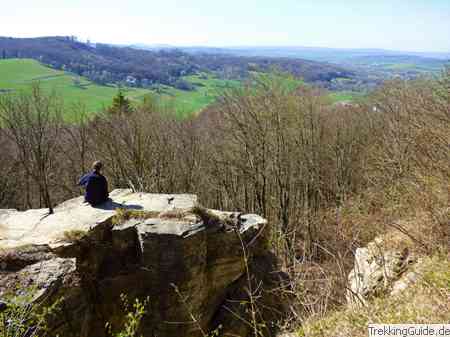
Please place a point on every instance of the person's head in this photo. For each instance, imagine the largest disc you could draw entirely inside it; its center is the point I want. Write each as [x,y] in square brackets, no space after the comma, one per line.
[97,166]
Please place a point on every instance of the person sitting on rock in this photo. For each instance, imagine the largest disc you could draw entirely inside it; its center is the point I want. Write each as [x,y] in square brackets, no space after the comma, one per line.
[96,185]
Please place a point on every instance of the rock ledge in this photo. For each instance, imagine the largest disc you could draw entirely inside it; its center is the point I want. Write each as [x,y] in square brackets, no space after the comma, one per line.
[178,251]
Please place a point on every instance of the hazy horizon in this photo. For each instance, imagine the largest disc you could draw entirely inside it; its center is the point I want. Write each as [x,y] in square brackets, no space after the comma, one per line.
[287,46]
[237,46]
[411,26]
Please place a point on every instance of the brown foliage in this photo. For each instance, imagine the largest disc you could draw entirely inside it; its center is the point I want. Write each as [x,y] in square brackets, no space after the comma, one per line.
[328,178]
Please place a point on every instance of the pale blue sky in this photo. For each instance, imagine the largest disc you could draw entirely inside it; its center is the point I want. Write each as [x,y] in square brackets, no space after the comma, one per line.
[416,25]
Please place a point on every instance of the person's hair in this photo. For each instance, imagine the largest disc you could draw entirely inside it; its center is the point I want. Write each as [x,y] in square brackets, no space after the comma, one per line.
[97,165]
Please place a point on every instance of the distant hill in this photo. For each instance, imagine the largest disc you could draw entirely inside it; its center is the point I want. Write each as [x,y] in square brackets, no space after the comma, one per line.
[335,55]
[104,63]
[406,66]
[386,63]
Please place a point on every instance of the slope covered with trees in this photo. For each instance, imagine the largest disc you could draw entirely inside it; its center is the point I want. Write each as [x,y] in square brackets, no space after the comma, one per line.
[329,179]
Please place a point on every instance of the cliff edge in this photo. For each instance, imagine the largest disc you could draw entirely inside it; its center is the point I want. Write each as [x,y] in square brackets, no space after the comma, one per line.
[202,270]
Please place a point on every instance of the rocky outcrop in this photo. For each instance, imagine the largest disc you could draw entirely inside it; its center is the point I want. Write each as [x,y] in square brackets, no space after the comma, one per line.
[380,269]
[197,267]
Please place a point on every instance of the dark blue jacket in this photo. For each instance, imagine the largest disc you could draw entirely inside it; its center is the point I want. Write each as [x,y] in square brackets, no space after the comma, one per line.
[96,188]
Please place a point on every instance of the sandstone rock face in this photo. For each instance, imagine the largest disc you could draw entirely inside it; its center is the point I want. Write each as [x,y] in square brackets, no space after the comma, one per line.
[196,267]
[377,269]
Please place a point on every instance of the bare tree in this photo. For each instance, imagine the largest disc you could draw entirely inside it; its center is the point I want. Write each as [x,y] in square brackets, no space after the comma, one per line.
[33,123]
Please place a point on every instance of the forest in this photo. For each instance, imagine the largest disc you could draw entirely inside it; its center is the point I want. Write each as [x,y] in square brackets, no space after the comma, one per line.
[328,178]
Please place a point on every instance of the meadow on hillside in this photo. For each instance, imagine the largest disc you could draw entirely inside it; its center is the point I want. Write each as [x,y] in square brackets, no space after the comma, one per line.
[19,74]
[206,89]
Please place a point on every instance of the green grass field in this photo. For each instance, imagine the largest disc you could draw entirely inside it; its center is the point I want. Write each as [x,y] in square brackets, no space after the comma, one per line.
[18,74]
[342,96]
[186,103]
